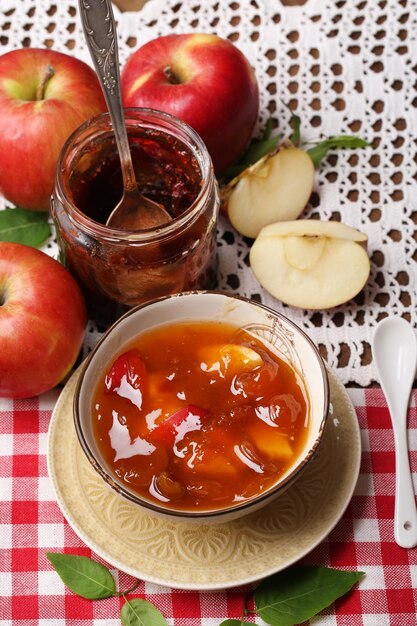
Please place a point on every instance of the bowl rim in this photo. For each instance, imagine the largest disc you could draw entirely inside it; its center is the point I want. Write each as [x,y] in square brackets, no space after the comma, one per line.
[210,513]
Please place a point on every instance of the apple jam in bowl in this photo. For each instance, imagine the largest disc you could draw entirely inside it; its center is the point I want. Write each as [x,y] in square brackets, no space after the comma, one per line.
[119,268]
[201,406]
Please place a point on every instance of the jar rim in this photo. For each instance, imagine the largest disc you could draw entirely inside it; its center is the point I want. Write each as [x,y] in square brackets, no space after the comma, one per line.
[101,124]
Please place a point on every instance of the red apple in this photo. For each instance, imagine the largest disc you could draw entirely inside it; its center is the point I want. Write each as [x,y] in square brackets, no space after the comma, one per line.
[44,97]
[202,79]
[42,321]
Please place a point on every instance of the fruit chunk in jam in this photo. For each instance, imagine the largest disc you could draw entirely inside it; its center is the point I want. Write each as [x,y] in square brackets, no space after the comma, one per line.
[221,416]
[166,172]
[119,269]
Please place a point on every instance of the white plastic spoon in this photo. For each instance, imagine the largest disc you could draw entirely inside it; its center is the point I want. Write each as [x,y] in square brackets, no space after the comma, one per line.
[395,353]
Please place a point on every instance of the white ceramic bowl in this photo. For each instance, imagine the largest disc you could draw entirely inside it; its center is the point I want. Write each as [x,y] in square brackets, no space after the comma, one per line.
[281,336]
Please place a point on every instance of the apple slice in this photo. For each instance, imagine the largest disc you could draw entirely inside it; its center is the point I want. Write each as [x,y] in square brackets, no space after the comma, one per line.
[174,428]
[167,487]
[310,264]
[275,188]
[229,359]
[214,466]
[271,443]
[162,401]
[127,377]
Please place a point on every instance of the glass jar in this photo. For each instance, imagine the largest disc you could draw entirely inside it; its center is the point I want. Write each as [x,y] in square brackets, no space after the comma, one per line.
[116,268]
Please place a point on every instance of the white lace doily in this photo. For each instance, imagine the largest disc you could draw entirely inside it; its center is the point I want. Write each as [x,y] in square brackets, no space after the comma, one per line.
[346,66]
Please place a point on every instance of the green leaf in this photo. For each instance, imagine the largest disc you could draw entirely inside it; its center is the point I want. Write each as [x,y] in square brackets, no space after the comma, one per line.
[295,595]
[231,172]
[257,149]
[140,612]
[83,576]
[320,150]
[235,622]
[28,227]
[267,130]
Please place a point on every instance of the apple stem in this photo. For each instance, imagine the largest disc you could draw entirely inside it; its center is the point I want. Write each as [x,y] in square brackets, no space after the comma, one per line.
[40,91]
[172,77]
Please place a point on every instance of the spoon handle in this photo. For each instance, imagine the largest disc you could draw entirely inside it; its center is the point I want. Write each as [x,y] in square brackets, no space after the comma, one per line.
[405,514]
[100,33]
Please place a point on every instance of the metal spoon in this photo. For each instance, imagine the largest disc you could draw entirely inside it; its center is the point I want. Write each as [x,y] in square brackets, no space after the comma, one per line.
[134,211]
[395,352]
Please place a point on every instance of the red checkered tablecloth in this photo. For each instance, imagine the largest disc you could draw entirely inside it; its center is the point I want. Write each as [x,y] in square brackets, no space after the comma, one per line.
[31,524]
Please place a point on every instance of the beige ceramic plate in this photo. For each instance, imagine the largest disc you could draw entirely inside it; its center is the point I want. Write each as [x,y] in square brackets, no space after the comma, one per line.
[210,556]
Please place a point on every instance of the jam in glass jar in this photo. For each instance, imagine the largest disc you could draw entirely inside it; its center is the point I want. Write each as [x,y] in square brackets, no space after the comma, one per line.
[117,268]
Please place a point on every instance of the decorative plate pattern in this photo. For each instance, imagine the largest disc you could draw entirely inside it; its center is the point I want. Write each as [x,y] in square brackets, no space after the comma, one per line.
[206,556]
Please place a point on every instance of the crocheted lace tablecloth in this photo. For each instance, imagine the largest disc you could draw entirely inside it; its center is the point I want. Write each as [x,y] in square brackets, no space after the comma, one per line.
[346,66]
